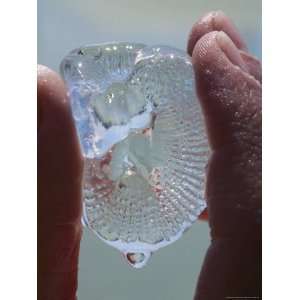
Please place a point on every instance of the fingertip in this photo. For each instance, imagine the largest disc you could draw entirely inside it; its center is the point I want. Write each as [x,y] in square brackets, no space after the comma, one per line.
[50,82]
[216,49]
[214,21]
[60,161]
[51,94]
[223,83]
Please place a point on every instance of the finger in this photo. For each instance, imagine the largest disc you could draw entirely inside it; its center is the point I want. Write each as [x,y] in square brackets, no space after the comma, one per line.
[253,65]
[228,93]
[218,21]
[214,21]
[59,185]
[231,100]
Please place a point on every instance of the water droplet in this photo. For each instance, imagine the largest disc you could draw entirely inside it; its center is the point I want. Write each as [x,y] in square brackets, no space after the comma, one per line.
[137,259]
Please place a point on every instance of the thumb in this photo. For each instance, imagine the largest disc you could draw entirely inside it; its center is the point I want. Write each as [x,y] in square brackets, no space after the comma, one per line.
[59,188]
[231,101]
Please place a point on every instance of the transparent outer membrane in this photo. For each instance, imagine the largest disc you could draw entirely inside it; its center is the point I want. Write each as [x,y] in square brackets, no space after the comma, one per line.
[143,139]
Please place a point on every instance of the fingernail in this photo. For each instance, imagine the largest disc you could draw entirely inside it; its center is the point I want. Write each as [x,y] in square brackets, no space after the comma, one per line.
[230,50]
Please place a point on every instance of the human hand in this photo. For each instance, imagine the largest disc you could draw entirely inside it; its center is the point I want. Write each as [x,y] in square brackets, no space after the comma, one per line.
[228,83]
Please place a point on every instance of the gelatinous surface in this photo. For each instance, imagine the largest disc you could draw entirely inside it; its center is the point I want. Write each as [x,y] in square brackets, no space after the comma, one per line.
[143,139]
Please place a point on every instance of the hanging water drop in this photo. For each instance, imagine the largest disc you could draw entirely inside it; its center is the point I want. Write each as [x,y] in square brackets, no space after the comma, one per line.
[137,259]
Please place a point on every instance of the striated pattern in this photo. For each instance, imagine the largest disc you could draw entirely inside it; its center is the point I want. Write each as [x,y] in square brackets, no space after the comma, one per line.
[142,135]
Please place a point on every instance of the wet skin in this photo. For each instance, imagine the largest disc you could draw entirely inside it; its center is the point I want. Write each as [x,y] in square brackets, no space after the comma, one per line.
[228,82]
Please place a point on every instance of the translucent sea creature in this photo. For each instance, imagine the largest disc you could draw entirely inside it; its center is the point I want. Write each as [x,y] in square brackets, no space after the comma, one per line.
[143,139]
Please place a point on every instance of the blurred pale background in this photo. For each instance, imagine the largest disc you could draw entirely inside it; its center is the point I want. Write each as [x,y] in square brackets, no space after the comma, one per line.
[66,24]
